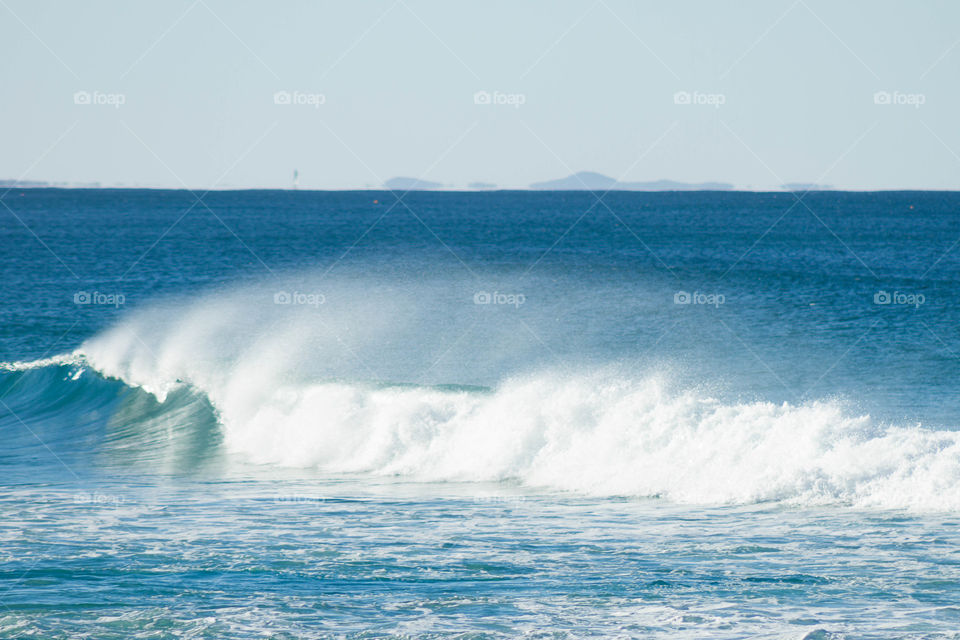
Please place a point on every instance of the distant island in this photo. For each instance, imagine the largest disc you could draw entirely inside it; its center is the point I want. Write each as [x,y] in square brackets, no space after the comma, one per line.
[410,184]
[41,184]
[581,181]
[591,181]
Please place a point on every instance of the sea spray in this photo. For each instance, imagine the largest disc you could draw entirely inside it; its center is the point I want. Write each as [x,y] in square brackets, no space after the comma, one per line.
[592,433]
[287,389]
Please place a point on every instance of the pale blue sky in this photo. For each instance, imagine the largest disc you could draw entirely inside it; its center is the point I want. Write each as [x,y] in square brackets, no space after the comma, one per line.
[398,78]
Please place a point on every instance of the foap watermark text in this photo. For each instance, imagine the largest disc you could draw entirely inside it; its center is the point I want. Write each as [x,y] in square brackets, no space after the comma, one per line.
[99,98]
[899,298]
[499,298]
[299,98]
[98,298]
[715,100]
[699,298]
[500,98]
[299,298]
[899,98]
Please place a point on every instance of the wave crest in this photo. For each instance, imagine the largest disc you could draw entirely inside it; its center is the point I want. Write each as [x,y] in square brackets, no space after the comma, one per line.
[592,431]
[594,434]
[604,436]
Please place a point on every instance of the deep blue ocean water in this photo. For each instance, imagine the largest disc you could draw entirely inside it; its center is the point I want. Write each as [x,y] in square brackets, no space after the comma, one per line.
[501,414]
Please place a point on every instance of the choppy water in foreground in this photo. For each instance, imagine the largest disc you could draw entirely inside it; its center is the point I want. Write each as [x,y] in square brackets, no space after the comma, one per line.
[704,415]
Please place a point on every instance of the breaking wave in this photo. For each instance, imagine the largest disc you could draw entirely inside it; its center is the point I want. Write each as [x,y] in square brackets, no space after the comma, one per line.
[595,431]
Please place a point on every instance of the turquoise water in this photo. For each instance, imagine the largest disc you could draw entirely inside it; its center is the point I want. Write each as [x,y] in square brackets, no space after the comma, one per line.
[704,415]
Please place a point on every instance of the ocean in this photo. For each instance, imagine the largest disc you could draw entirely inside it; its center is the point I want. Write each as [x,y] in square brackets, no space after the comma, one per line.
[374,414]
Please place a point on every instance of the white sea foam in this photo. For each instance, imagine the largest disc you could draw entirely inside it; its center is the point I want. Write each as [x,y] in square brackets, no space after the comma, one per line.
[27,365]
[594,431]
[599,436]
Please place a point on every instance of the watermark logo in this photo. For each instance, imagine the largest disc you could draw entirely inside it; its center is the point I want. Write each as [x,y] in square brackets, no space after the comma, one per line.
[715,100]
[299,298]
[300,98]
[512,299]
[98,498]
[515,100]
[300,498]
[115,100]
[500,499]
[899,298]
[711,299]
[899,98]
[97,298]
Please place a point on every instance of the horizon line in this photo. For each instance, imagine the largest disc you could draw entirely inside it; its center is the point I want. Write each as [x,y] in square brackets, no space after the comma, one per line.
[383,189]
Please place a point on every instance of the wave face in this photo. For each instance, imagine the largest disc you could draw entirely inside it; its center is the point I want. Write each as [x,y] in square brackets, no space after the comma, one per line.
[597,431]
[179,382]
[603,436]
[594,434]
[61,414]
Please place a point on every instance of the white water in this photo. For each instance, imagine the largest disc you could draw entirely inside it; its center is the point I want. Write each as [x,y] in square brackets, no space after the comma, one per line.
[593,431]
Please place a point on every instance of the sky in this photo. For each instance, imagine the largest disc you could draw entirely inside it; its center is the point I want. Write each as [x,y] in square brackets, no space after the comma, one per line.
[210,94]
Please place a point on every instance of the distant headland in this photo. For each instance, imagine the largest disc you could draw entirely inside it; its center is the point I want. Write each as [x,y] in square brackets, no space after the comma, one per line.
[580,181]
[591,181]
